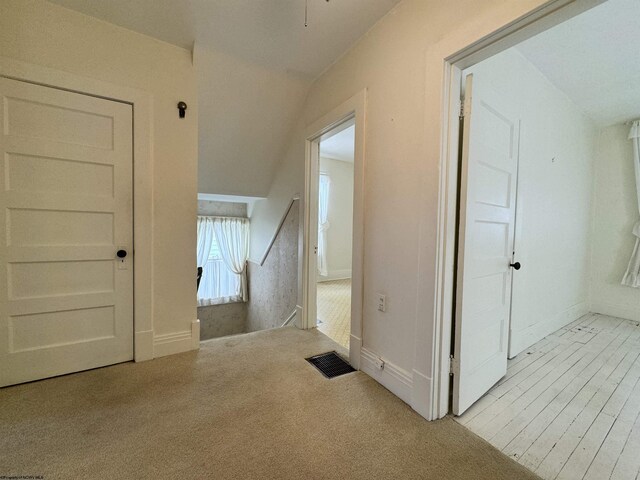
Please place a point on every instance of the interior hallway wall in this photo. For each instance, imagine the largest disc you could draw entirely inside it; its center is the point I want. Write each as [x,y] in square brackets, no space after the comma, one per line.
[340,216]
[553,218]
[396,62]
[615,214]
[273,287]
[248,94]
[41,33]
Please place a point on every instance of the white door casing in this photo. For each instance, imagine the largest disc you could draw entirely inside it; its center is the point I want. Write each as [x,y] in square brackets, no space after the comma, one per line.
[66,207]
[486,236]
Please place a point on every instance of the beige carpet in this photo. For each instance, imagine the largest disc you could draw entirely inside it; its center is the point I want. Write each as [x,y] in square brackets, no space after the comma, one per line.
[245,407]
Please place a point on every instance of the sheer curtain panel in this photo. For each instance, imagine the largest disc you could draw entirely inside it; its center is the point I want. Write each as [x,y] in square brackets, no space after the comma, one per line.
[632,275]
[232,236]
[219,284]
[323,223]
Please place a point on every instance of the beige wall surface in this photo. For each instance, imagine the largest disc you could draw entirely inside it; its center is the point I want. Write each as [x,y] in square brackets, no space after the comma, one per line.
[340,215]
[40,33]
[615,214]
[273,286]
[400,64]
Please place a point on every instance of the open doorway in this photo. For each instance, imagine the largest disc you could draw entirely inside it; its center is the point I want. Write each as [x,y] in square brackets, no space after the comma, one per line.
[335,232]
[332,141]
[546,338]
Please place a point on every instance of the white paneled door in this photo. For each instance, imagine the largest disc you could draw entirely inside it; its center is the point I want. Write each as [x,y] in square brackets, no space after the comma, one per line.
[66,297]
[487,220]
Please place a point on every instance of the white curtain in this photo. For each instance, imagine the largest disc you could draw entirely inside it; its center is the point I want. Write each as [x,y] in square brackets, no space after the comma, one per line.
[219,284]
[205,239]
[632,276]
[323,223]
[232,236]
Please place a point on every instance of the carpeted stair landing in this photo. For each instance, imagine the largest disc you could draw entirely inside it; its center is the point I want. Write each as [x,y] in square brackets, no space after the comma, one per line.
[245,407]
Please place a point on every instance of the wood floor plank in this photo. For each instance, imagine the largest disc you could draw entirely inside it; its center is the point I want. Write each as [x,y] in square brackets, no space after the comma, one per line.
[565,446]
[617,437]
[552,434]
[509,393]
[547,378]
[580,460]
[549,411]
[568,384]
[569,406]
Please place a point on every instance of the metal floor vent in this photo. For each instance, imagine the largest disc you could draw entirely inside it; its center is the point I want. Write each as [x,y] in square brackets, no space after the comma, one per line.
[330,364]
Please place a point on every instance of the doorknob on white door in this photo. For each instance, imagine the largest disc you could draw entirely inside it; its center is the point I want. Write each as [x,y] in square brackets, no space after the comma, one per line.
[515,266]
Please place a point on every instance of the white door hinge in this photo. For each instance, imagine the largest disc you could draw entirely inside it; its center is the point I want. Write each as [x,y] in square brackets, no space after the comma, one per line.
[454,366]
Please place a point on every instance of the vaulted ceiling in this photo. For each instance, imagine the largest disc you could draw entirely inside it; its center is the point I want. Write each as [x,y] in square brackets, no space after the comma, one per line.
[593,58]
[255,61]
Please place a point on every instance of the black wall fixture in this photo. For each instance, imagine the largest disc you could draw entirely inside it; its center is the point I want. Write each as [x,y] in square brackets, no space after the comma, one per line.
[182,108]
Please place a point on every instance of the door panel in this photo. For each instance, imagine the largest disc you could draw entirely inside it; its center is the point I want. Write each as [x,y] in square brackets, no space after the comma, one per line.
[487,220]
[66,208]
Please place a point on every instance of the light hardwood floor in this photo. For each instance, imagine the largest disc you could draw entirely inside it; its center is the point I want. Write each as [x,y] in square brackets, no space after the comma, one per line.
[334,310]
[569,406]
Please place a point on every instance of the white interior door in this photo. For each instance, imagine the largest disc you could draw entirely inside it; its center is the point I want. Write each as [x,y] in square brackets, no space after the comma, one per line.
[487,220]
[66,301]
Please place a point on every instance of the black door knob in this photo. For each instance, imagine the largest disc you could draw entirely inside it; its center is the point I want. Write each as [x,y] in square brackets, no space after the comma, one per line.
[515,266]
[121,253]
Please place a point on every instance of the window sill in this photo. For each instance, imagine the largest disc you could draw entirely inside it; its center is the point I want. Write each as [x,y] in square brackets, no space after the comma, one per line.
[218,302]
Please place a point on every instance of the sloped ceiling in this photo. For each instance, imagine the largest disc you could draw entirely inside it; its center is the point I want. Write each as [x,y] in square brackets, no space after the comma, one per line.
[255,62]
[593,58]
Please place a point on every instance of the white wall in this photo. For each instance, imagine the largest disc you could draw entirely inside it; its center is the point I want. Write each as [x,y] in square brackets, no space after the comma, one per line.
[247,112]
[340,216]
[399,62]
[615,214]
[553,217]
[41,33]
[287,184]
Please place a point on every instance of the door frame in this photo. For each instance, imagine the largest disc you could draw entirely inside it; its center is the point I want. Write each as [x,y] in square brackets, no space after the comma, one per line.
[141,103]
[352,109]
[454,58]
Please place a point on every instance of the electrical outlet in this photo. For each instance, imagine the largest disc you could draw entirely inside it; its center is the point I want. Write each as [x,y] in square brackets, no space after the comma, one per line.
[379,363]
[382,302]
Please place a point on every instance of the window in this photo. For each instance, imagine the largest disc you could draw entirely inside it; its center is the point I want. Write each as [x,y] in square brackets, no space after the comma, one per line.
[220,283]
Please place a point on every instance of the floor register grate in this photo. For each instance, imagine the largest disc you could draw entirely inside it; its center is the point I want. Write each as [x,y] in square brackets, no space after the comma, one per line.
[330,364]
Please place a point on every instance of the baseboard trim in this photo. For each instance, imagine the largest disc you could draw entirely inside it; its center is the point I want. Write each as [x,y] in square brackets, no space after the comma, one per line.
[195,334]
[335,275]
[422,394]
[355,350]
[179,342]
[392,377]
[143,346]
[620,311]
[520,340]
[298,318]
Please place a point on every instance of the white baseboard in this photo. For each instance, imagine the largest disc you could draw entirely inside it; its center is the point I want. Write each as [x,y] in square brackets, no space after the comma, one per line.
[143,346]
[520,340]
[298,318]
[620,311]
[195,335]
[421,396]
[392,377]
[355,350]
[335,275]
[172,343]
